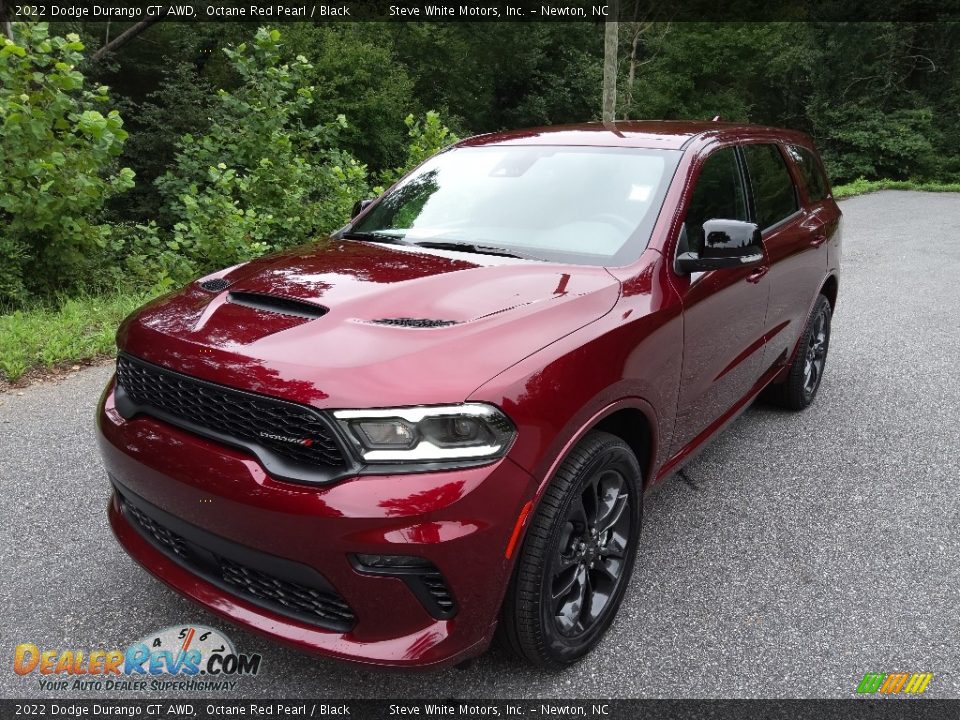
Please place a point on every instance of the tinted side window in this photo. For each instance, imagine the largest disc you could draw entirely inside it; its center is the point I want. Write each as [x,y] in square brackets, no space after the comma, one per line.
[773,192]
[811,172]
[719,194]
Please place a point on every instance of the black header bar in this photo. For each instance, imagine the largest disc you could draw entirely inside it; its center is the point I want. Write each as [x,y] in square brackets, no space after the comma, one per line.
[282,11]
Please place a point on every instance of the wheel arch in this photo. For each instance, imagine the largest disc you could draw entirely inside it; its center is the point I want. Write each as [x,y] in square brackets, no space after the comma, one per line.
[631,425]
[829,290]
[633,420]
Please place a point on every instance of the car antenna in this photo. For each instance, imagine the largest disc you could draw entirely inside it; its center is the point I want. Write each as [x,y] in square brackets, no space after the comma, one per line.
[716,118]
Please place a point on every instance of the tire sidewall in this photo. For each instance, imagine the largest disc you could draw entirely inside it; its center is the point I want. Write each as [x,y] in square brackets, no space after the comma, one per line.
[564,650]
[821,308]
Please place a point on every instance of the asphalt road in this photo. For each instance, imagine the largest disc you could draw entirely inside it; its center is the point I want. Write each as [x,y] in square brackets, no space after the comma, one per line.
[807,549]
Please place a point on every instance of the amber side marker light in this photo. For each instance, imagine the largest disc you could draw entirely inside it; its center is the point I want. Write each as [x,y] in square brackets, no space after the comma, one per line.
[517,528]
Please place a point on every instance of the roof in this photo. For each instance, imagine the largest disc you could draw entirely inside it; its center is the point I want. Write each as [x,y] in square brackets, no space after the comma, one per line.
[666,134]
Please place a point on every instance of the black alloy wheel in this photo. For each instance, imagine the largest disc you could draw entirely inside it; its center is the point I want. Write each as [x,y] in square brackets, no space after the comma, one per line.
[577,557]
[816,354]
[589,562]
[806,371]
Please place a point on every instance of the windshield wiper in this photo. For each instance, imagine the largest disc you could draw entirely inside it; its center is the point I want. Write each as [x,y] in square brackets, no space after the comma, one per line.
[475,248]
[376,237]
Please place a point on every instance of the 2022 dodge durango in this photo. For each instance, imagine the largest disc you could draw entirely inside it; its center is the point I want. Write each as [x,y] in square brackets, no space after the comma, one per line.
[441,421]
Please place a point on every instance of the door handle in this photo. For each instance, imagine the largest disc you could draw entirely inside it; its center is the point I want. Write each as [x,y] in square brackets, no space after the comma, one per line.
[819,240]
[757,274]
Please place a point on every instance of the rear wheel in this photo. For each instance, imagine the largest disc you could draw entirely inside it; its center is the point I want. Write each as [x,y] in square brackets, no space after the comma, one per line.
[578,555]
[806,370]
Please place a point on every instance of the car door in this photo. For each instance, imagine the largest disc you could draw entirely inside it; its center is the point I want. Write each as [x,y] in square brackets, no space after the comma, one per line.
[792,236]
[723,310]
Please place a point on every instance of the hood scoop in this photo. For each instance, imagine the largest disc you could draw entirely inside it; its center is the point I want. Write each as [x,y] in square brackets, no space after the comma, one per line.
[414,322]
[276,304]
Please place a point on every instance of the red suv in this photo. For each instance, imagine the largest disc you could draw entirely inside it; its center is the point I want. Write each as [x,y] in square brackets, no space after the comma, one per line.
[442,420]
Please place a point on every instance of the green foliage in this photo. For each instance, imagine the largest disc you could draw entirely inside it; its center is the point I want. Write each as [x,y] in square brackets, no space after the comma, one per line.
[354,73]
[260,178]
[880,99]
[80,328]
[279,155]
[862,186]
[180,105]
[859,142]
[57,163]
[489,76]
[426,138]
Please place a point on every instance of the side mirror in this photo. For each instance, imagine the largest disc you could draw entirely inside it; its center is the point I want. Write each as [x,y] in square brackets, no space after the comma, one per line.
[359,206]
[726,244]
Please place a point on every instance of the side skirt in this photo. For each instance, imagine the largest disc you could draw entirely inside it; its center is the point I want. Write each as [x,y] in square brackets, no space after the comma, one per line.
[695,446]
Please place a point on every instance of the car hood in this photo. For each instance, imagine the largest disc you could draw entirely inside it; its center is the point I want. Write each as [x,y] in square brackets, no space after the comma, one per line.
[330,325]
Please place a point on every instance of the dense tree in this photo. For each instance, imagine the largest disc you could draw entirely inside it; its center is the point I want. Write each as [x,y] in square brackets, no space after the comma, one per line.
[880,98]
[60,141]
[242,141]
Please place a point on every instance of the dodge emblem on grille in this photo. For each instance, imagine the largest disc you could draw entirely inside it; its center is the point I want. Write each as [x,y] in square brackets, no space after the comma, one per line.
[283,438]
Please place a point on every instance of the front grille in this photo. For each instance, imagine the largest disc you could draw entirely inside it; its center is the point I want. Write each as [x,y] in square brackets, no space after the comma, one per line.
[290,595]
[320,606]
[414,322]
[299,433]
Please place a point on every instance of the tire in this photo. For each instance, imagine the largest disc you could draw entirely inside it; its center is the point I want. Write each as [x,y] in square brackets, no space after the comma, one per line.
[798,391]
[545,619]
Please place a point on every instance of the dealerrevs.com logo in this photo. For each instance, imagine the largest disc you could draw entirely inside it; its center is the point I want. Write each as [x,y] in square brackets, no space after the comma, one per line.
[186,657]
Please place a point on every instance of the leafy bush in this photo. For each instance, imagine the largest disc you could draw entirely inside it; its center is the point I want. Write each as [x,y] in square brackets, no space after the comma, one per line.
[426,138]
[862,186]
[859,142]
[180,105]
[355,74]
[259,179]
[57,164]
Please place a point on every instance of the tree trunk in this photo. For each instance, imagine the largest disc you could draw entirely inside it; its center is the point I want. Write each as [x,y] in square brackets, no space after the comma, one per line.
[129,34]
[5,19]
[610,65]
[632,74]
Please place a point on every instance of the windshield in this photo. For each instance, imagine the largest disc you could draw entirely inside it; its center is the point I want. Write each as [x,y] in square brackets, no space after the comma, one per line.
[585,205]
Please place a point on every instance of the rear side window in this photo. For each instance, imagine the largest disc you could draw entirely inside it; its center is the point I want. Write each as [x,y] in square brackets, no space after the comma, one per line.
[773,192]
[810,170]
[719,195]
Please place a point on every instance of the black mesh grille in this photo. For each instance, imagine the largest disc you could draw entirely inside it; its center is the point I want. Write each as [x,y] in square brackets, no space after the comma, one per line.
[169,540]
[299,432]
[283,596]
[415,322]
[290,595]
[215,285]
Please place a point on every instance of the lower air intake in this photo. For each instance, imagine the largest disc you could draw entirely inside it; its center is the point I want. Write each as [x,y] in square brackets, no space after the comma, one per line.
[319,606]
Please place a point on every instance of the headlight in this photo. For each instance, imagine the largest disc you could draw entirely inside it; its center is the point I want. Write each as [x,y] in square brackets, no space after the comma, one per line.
[428,434]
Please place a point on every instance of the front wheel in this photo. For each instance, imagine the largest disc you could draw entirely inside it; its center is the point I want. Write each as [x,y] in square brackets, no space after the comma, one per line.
[578,555]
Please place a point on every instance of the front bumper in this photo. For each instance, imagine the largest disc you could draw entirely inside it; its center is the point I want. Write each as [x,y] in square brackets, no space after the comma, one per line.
[460,521]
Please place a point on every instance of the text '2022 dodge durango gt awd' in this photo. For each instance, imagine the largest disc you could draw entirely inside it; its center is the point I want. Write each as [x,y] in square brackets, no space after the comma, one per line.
[441,421]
